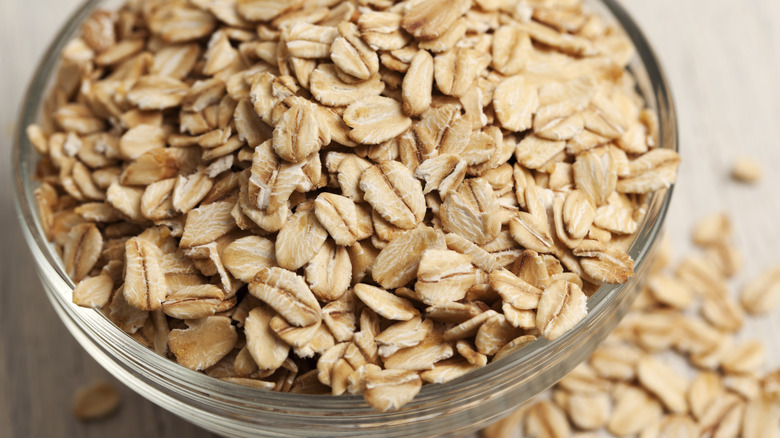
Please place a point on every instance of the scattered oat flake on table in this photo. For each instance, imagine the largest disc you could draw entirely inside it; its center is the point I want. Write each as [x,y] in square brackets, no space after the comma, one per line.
[96,401]
[746,170]
[633,385]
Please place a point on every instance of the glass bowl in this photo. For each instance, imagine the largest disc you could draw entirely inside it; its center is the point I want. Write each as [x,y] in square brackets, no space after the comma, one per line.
[451,409]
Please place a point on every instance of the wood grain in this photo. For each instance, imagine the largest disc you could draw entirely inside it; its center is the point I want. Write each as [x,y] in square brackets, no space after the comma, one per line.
[721,57]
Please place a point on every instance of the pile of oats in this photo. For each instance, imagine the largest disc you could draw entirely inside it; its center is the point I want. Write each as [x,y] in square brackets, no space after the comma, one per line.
[676,366]
[345,196]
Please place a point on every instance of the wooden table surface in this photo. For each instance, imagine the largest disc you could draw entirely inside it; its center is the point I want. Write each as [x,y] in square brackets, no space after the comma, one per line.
[722,58]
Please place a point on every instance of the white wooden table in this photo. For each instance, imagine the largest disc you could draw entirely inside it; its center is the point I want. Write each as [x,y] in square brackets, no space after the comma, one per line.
[723,61]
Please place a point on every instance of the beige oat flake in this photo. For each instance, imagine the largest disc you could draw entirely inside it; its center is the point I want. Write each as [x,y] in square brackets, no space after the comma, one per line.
[746,170]
[96,401]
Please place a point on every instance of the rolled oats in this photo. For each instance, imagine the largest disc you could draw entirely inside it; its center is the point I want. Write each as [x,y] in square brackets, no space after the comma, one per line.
[546,419]
[606,265]
[444,276]
[494,334]
[472,212]
[339,216]
[670,291]
[144,283]
[616,361]
[376,119]
[266,349]
[94,292]
[515,291]
[384,303]
[712,229]
[515,101]
[428,20]
[728,391]
[511,49]
[446,370]
[369,186]
[193,302]
[288,294]
[422,356]
[297,136]
[388,390]
[723,417]
[329,89]
[394,193]
[588,411]
[531,233]
[748,357]
[329,272]
[746,170]
[351,54]
[652,171]
[456,70]
[207,223]
[300,239]
[443,173]
[296,337]
[189,190]
[96,401]
[761,294]
[561,307]
[245,256]
[204,342]
[628,401]
[723,313]
[418,84]
[82,250]
[761,416]
[381,30]
[662,381]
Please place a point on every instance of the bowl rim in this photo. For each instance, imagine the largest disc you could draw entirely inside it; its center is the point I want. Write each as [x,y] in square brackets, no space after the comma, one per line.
[102,331]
